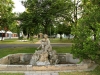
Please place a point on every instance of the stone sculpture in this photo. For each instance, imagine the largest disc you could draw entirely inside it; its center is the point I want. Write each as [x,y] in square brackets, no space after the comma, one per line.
[45,44]
[44,56]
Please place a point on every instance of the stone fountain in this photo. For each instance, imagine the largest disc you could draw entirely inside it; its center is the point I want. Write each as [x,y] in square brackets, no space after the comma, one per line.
[44,56]
[44,59]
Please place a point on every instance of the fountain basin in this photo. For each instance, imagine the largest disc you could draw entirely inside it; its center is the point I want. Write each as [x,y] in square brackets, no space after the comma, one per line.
[20,62]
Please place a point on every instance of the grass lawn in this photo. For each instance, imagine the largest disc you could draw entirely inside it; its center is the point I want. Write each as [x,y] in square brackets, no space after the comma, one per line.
[7,51]
[62,49]
[57,40]
[52,40]
[16,41]
[11,73]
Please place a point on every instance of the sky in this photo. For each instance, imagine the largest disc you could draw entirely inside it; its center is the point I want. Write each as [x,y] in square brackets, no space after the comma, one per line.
[18,6]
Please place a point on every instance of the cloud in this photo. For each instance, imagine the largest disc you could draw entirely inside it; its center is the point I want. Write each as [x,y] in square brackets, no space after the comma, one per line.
[18,6]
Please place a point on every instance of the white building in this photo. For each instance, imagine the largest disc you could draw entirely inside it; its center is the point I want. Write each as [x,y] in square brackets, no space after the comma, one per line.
[7,35]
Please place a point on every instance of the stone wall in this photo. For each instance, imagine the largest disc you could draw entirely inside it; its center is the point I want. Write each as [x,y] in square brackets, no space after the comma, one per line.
[73,67]
[19,58]
[24,58]
[67,58]
[5,63]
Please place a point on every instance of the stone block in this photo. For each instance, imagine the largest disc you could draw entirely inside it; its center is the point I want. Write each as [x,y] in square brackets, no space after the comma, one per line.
[3,67]
[29,68]
[4,60]
[70,59]
[16,68]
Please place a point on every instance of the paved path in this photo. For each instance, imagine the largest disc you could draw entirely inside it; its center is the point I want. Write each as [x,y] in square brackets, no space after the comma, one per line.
[41,73]
[33,45]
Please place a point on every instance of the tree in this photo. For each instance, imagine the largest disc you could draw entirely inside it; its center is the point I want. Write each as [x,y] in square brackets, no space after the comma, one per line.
[60,29]
[85,46]
[67,30]
[63,29]
[13,27]
[44,12]
[5,14]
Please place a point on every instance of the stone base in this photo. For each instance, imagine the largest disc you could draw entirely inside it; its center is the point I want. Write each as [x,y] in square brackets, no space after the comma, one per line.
[43,63]
[59,68]
[6,64]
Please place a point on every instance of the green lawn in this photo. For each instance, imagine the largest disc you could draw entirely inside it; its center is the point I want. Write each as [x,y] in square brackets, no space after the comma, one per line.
[52,40]
[62,49]
[57,40]
[16,41]
[11,73]
[7,51]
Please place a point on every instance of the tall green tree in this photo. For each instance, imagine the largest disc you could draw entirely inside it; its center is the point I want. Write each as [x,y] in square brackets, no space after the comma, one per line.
[29,25]
[6,14]
[87,32]
[67,30]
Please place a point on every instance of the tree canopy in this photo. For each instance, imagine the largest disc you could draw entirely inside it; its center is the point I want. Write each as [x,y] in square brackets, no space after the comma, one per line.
[6,14]
[45,12]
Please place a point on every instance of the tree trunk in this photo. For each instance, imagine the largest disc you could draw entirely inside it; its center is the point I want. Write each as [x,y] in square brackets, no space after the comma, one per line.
[69,36]
[75,13]
[18,32]
[28,36]
[45,30]
[60,36]
[94,35]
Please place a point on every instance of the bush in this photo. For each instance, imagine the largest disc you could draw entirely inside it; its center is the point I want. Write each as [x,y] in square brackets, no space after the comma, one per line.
[84,46]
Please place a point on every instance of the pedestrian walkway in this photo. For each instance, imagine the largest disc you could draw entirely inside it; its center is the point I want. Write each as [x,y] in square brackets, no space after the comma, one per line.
[41,73]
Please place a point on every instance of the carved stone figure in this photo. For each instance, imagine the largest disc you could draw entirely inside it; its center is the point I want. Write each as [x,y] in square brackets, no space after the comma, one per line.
[45,44]
[42,45]
[44,56]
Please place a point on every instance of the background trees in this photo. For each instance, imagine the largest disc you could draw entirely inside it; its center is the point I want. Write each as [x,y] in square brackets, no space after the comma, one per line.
[43,14]
[6,14]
